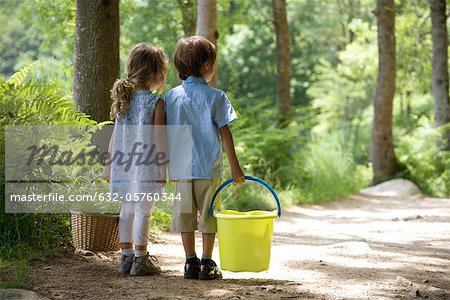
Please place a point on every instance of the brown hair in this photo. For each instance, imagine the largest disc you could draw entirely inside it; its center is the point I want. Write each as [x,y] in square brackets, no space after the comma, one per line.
[145,64]
[191,54]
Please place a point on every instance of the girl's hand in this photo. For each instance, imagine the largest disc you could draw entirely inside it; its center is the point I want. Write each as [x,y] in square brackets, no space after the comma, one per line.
[238,175]
[162,176]
[106,174]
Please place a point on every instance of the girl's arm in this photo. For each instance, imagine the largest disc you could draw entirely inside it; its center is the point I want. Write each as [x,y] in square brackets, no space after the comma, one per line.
[228,144]
[160,137]
[106,175]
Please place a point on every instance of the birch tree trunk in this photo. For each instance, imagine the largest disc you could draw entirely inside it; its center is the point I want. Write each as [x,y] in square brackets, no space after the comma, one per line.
[383,156]
[96,59]
[207,26]
[284,66]
[440,67]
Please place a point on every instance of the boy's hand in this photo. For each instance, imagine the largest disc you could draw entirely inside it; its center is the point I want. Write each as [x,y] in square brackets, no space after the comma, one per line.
[238,175]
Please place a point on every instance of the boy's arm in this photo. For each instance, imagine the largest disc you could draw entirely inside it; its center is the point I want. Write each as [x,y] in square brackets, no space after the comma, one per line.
[160,137]
[228,144]
[106,175]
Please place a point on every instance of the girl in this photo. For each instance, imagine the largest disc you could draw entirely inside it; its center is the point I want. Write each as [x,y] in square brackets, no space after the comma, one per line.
[135,108]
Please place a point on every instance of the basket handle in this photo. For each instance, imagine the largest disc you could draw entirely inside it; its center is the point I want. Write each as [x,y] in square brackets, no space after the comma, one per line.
[251,178]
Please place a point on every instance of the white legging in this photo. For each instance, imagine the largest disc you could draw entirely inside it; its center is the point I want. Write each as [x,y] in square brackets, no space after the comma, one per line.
[134,221]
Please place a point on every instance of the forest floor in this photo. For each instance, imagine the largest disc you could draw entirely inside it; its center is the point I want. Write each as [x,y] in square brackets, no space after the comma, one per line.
[359,248]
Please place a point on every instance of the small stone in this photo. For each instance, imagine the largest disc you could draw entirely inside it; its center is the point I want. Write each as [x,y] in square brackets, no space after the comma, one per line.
[47,268]
[402,281]
[414,293]
[395,219]
[425,281]
[435,292]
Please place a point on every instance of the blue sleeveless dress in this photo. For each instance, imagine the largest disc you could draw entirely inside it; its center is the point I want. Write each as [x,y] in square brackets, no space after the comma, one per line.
[133,150]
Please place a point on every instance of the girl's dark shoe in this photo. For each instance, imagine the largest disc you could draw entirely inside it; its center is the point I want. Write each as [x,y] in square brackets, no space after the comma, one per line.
[209,271]
[192,268]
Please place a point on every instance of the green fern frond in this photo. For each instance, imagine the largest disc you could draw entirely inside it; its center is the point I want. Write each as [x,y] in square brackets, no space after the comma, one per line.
[19,77]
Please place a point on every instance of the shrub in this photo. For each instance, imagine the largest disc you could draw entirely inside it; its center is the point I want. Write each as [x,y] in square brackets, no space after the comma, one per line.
[329,172]
[428,165]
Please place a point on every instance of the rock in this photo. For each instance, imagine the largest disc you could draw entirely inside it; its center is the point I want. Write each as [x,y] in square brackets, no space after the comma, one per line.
[414,293]
[402,281]
[19,294]
[393,188]
[425,281]
[47,268]
[437,293]
[412,218]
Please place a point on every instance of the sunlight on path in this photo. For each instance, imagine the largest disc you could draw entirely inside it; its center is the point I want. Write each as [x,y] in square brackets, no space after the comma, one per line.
[353,248]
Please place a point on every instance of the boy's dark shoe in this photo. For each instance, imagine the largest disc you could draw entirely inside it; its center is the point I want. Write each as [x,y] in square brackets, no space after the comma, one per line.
[209,270]
[192,268]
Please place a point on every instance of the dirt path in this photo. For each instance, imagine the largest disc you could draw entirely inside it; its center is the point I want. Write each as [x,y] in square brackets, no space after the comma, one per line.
[360,248]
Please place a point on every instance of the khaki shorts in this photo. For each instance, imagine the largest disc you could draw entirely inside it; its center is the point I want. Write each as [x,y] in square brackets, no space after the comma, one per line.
[196,196]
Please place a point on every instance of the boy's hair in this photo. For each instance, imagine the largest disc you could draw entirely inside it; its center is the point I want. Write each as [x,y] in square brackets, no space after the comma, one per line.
[191,54]
[145,63]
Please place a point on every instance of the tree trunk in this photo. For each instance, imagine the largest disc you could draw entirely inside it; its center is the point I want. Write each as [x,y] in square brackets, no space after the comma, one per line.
[284,58]
[207,26]
[188,14]
[383,156]
[96,59]
[440,67]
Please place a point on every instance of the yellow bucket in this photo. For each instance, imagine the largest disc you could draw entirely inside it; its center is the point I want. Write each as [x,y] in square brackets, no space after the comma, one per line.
[245,238]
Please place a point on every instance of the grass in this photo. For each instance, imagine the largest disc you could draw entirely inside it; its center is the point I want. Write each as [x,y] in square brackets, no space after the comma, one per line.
[13,274]
[330,172]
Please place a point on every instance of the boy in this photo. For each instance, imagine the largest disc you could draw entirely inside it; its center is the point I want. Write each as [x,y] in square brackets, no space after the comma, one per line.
[209,112]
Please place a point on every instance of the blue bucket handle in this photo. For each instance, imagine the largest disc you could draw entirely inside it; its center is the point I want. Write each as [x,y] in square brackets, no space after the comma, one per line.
[251,178]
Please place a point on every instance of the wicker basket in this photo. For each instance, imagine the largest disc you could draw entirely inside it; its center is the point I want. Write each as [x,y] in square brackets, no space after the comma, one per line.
[95,232]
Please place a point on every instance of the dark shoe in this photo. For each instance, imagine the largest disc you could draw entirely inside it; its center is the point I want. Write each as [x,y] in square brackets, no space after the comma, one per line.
[125,264]
[191,269]
[143,266]
[209,271]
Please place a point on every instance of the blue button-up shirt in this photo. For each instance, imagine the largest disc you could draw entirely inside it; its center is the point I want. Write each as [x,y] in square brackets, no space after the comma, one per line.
[206,109]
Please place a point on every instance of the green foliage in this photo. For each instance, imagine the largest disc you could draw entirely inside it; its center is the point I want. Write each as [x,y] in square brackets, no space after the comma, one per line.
[428,165]
[26,102]
[19,41]
[247,197]
[264,150]
[329,171]
[160,221]
[343,93]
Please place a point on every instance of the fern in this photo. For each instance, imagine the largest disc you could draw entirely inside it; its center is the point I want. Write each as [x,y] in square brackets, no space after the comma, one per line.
[24,101]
